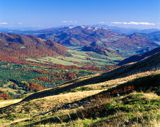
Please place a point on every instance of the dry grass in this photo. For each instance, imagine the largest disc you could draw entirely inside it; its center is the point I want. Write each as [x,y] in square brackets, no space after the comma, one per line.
[65,98]
[48,103]
[34,108]
[111,83]
[149,96]
[51,101]
[4,103]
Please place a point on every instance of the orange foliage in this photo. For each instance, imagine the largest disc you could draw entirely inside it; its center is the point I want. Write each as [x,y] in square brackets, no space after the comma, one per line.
[45,79]
[36,87]
[71,75]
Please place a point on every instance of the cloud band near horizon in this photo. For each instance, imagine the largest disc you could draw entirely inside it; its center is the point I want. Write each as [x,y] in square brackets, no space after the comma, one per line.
[134,23]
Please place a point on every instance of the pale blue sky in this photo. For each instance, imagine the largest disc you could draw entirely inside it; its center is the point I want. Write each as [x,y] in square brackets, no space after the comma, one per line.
[50,13]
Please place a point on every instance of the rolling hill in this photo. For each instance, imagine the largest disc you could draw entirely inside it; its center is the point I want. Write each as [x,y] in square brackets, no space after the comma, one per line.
[128,95]
[19,47]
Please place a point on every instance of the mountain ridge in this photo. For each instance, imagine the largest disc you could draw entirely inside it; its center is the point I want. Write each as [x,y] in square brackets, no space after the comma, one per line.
[86,35]
[25,46]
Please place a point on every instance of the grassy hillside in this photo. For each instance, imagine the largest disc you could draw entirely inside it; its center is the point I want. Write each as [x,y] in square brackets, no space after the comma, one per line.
[127,96]
[121,104]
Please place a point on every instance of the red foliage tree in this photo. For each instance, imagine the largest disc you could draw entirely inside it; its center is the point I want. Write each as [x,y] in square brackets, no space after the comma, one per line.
[35,87]
[4,96]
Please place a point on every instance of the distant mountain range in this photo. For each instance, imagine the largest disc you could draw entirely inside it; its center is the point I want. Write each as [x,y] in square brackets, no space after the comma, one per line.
[101,40]
[98,39]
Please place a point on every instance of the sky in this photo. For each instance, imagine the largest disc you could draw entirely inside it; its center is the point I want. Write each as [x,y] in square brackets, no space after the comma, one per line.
[51,13]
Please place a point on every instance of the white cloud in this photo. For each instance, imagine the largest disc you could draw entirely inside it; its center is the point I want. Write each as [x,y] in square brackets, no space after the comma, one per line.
[70,21]
[134,23]
[3,23]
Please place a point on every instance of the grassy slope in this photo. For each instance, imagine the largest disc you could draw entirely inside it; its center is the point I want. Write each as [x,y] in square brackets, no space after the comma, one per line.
[46,110]
[101,100]
[4,103]
[89,105]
